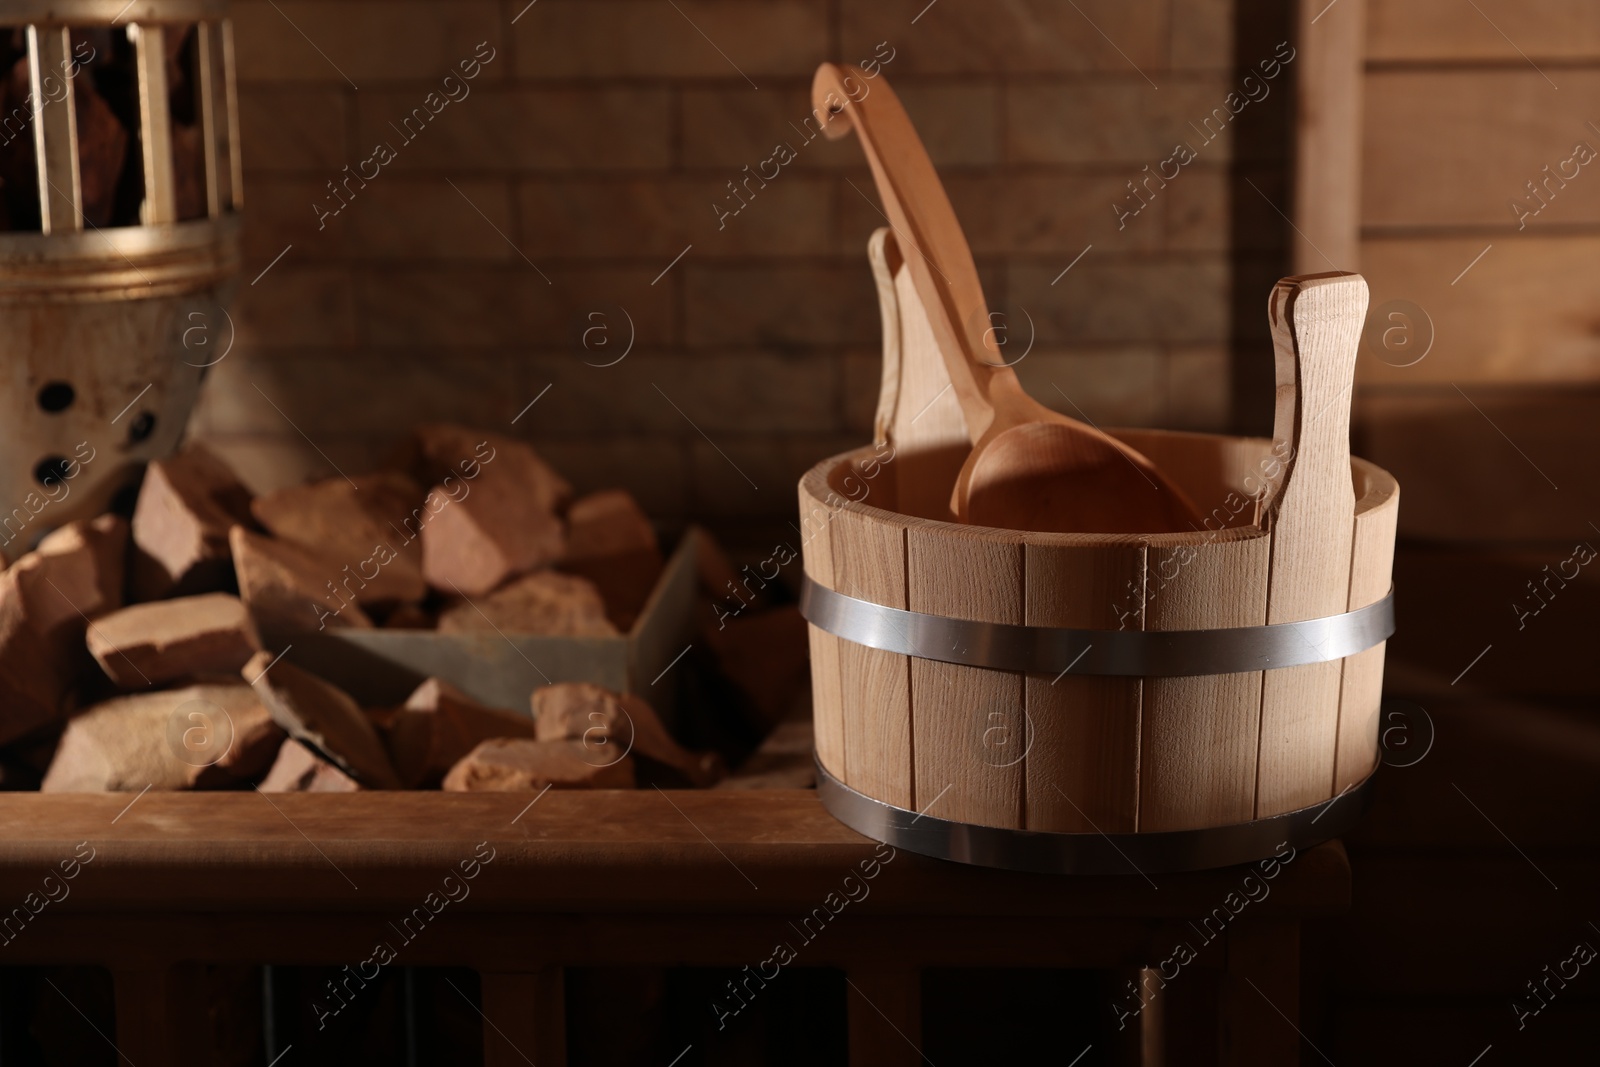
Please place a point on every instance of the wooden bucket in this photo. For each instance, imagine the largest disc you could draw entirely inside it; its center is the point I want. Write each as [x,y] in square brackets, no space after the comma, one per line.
[1089,703]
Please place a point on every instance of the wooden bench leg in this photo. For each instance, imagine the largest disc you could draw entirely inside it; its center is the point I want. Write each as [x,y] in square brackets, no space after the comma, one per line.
[885,1012]
[1261,995]
[524,1018]
[161,1015]
[1139,1003]
[1152,1023]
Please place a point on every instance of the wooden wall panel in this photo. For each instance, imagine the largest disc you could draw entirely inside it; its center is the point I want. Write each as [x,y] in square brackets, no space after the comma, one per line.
[1458,108]
[1464,481]
[1455,147]
[1328,136]
[1426,30]
[1525,312]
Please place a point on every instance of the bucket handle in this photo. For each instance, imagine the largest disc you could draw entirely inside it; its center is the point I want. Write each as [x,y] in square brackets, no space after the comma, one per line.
[1316,328]
[1316,322]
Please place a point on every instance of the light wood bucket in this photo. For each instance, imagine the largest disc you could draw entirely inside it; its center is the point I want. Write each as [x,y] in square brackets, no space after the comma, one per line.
[1003,697]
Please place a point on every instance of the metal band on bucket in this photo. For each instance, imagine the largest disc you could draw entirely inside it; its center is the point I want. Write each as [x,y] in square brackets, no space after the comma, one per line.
[1047,852]
[1058,650]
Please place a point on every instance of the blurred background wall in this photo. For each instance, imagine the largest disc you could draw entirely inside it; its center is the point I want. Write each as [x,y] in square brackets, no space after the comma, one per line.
[589,154]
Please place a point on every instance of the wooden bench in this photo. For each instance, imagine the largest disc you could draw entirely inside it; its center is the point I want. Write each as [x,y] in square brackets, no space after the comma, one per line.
[604,878]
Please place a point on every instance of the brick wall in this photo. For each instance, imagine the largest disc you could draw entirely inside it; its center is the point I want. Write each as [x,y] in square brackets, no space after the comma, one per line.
[587,155]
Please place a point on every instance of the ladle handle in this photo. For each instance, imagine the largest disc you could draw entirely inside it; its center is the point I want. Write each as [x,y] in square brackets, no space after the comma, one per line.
[925,225]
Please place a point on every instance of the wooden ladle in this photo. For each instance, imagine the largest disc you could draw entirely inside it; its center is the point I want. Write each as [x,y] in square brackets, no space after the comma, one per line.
[1031,468]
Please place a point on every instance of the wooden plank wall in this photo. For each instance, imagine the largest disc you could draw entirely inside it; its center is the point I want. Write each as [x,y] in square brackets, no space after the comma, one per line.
[1450,152]
[1476,136]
